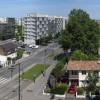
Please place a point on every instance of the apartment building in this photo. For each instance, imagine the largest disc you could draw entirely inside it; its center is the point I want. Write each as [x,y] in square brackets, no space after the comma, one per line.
[56,24]
[36,26]
[7,28]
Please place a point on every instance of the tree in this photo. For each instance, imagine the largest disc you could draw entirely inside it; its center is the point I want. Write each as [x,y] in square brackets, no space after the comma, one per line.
[65,40]
[93,79]
[81,33]
[78,55]
[19,54]
[19,34]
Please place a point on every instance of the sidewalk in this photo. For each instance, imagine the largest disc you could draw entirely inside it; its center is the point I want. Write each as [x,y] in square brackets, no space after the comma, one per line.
[34,90]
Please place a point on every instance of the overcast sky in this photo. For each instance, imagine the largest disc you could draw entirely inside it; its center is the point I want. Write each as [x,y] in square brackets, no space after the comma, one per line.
[19,8]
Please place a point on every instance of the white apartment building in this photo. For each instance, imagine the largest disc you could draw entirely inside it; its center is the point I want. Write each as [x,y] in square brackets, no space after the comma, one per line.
[36,26]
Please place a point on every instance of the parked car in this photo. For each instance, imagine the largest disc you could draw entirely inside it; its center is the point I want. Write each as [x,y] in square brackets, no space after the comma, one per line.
[1,66]
[36,46]
[72,89]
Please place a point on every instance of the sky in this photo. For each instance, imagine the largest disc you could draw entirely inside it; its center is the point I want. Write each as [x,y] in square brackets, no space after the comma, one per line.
[19,8]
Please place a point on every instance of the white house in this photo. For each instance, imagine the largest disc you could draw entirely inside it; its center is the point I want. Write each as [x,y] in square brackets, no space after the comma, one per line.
[7,53]
[78,71]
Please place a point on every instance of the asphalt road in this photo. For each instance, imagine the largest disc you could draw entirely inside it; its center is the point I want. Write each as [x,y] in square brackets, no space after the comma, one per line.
[35,58]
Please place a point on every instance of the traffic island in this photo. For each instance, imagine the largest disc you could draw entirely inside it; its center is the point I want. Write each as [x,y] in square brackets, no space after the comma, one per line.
[34,72]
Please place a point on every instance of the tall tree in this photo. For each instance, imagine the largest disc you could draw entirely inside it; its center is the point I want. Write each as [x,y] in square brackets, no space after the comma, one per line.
[81,33]
[19,34]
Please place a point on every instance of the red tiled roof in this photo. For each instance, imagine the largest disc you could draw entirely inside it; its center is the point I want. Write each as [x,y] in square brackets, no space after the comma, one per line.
[83,65]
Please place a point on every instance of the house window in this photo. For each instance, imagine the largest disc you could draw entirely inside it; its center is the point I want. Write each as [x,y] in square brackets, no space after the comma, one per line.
[74,72]
[83,72]
[96,72]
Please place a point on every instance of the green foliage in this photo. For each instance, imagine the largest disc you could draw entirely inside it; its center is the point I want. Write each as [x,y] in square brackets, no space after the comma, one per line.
[93,57]
[19,54]
[79,55]
[65,40]
[97,88]
[93,79]
[44,39]
[59,69]
[34,72]
[60,89]
[81,33]
[19,34]
[80,90]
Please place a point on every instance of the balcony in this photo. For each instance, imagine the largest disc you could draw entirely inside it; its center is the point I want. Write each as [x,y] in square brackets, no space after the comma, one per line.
[73,77]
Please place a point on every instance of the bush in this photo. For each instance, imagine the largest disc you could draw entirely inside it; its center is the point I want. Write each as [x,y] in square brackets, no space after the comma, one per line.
[79,55]
[19,54]
[59,69]
[93,57]
[60,89]
[80,90]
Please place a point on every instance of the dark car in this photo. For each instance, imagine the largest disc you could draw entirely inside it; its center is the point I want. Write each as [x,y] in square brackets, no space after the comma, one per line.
[1,66]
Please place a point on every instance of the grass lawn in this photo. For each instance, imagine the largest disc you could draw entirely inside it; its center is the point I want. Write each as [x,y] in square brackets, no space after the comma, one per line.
[51,56]
[34,72]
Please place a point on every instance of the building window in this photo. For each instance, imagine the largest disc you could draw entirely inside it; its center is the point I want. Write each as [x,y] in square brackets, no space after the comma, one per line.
[74,72]
[83,72]
[96,72]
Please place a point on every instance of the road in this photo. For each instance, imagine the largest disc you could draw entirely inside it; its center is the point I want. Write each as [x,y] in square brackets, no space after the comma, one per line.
[37,57]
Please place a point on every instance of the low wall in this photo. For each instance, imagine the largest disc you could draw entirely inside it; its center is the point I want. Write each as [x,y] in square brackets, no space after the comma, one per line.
[81,96]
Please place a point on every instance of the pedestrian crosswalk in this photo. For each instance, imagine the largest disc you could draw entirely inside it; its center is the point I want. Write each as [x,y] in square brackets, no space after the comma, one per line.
[3,80]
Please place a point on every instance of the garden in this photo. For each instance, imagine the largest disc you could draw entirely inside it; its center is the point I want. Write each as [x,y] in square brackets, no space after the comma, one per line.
[58,80]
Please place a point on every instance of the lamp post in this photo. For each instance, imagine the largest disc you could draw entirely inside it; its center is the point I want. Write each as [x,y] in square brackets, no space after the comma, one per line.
[11,69]
[19,95]
[19,88]
[44,60]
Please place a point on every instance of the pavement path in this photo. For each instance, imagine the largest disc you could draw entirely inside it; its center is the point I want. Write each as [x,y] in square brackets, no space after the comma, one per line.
[10,89]
[35,90]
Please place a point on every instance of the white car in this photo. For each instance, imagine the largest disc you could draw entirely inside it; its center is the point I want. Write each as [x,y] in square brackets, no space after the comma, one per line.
[30,46]
[36,46]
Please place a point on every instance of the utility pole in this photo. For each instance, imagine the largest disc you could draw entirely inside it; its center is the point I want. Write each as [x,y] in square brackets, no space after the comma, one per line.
[19,88]
[19,83]
[44,61]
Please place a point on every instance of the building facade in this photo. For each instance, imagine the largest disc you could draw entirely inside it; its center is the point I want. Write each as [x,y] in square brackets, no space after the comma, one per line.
[79,71]
[7,28]
[36,26]
[7,52]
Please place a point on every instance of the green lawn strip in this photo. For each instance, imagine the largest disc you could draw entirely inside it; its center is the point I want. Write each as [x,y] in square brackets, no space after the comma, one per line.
[34,72]
[51,56]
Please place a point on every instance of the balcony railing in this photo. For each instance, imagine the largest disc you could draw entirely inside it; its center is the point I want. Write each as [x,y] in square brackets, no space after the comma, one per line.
[73,76]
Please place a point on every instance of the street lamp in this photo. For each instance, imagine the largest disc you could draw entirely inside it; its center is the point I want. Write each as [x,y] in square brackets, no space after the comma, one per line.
[44,60]
[19,96]
[11,69]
